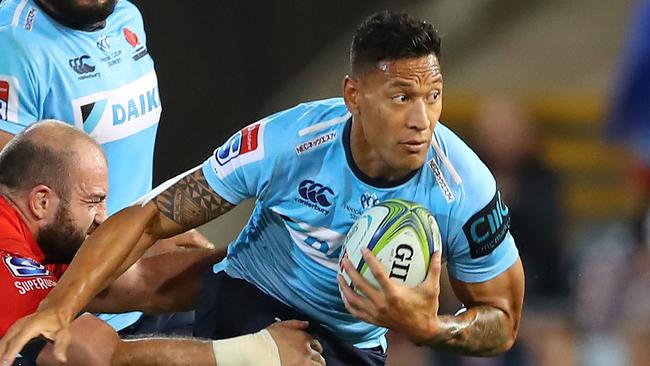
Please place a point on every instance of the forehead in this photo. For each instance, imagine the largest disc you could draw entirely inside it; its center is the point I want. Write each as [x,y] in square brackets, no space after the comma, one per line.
[91,174]
[425,66]
[421,71]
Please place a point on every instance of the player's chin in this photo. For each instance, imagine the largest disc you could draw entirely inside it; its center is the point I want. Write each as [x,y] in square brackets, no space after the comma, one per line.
[411,162]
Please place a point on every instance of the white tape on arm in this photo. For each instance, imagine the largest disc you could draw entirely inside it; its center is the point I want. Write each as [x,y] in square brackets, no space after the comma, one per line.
[248,350]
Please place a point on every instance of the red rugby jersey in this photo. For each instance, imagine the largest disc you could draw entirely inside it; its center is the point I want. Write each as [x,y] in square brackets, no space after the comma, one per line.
[24,281]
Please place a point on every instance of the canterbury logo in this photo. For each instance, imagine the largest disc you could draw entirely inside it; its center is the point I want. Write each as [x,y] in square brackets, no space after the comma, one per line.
[315,192]
[79,66]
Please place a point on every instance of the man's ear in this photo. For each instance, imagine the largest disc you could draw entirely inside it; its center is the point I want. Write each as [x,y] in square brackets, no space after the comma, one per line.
[351,93]
[41,200]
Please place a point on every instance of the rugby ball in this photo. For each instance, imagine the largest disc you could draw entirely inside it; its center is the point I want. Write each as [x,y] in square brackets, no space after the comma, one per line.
[401,234]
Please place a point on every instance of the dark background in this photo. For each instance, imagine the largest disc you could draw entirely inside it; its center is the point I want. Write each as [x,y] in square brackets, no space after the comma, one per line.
[219,62]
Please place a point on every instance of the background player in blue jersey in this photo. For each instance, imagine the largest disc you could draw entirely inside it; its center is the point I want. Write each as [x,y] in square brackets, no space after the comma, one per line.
[86,63]
[313,169]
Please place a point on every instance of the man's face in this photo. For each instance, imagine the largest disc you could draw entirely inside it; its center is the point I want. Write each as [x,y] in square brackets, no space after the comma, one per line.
[397,106]
[78,215]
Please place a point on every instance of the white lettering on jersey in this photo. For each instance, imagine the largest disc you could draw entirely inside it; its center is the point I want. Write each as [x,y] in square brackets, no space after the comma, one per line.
[321,244]
[442,182]
[118,113]
[244,147]
[9,98]
[34,284]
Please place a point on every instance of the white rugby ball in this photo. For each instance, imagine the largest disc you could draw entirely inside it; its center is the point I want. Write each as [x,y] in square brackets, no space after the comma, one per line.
[401,234]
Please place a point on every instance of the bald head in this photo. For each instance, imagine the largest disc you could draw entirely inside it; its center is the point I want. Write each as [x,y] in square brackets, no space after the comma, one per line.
[49,153]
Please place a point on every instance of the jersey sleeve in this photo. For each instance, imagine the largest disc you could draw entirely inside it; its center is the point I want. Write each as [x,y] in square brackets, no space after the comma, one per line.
[480,246]
[20,103]
[243,167]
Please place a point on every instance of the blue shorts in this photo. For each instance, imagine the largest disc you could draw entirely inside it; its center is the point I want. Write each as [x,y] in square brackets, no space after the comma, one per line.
[229,307]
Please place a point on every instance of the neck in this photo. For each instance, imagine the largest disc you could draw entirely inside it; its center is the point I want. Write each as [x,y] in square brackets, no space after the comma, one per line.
[57,13]
[368,159]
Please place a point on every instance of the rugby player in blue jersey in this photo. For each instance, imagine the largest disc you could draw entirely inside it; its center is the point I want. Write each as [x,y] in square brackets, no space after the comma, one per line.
[313,169]
[86,62]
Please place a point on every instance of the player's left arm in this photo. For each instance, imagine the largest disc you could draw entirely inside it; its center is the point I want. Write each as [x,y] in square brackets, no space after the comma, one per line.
[488,326]
[490,321]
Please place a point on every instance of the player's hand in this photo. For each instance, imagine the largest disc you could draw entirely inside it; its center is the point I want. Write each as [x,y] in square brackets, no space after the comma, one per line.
[410,311]
[296,346]
[50,323]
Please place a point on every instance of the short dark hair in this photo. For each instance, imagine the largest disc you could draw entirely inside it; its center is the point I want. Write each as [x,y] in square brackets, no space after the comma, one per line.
[25,164]
[391,36]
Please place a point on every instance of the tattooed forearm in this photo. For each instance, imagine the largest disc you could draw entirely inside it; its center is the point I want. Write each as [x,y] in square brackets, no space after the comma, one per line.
[480,331]
[191,202]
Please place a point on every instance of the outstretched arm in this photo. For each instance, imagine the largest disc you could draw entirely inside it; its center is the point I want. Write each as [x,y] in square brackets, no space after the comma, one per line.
[111,250]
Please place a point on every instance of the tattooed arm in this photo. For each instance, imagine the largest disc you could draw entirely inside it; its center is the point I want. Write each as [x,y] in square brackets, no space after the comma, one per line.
[113,248]
[125,236]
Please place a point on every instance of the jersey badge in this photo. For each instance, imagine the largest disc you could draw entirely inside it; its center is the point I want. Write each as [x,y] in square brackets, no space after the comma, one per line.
[488,227]
[8,98]
[111,56]
[24,267]
[4,99]
[244,147]
[315,196]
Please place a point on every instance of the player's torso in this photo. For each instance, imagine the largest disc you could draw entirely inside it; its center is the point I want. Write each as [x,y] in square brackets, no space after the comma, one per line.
[24,281]
[291,246]
[102,82]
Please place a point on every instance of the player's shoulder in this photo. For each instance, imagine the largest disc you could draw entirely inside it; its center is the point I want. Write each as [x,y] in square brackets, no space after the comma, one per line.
[475,175]
[17,20]
[26,30]
[476,186]
[308,120]
[125,12]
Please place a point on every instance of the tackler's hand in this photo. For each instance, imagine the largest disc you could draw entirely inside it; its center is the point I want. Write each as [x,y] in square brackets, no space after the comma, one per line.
[52,324]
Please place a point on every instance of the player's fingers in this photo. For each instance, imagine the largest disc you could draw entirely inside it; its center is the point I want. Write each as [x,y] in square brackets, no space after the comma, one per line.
[15,339]
[433,275]
[377,270]
[315,345]
[62,340]
[350,298]
[317,359]
[360,283]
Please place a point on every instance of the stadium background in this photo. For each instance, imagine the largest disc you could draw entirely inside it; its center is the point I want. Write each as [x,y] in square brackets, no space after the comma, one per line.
[223,64]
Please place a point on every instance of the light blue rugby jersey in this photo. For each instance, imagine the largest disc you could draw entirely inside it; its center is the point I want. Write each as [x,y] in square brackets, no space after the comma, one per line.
[102,82]
[309,192]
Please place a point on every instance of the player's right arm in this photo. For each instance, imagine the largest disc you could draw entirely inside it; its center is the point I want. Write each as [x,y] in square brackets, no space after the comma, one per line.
[94,342]
[113,248]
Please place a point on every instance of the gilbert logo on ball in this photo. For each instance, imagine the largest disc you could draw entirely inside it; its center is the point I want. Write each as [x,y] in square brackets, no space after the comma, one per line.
[401,234]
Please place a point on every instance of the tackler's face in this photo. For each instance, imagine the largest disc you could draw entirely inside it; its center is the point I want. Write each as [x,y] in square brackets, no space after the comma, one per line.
[398,105]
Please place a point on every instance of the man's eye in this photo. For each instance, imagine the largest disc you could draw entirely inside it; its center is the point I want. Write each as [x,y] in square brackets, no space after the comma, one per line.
[399,98]
[433,97]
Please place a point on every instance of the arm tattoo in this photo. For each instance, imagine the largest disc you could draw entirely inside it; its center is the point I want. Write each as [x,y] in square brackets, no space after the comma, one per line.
[191,202]
[480,331]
